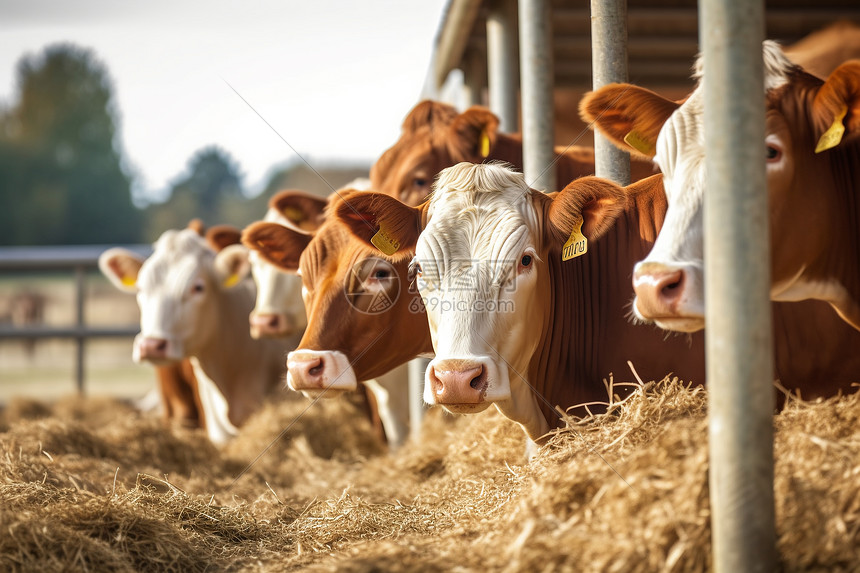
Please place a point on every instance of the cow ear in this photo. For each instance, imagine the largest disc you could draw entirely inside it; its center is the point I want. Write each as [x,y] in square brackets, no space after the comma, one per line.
[302,211]
[836,108]
[381,221]
[277,244]
[220,237]
[121,267]
[629,116]
[428,113]
[232,265]
[473,134]
[588,205]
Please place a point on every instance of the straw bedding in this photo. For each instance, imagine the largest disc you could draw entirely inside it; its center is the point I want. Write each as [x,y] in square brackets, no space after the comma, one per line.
[93,485]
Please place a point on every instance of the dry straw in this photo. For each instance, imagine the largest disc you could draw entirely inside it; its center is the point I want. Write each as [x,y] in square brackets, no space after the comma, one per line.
[91,485]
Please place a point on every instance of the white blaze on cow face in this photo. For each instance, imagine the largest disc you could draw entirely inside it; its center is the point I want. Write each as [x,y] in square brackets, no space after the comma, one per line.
[477,268]
[175,292]
[669,282]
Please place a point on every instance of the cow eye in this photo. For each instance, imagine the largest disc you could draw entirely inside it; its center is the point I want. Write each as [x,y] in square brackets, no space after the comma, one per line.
[381,274]
[419,182]
[773,153]
[197,287]
[526,260]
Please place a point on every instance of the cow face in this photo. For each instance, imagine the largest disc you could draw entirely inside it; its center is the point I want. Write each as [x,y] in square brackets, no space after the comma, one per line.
[669,281]
[434,137]
[278,310]
[363,320]
[177,290]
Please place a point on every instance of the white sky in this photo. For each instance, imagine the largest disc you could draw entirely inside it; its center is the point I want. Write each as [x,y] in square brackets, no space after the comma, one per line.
[334,78]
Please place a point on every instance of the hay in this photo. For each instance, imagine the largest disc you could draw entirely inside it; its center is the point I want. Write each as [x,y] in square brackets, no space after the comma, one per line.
[88,485]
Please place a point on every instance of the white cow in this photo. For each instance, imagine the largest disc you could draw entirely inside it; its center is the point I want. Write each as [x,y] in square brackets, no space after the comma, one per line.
[194,303]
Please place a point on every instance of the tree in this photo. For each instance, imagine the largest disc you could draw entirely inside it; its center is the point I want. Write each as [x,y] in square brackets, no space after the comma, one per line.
[61,179]
[211,187]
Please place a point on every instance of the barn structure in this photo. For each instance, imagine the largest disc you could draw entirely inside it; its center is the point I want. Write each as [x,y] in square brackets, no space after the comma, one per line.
[531,61]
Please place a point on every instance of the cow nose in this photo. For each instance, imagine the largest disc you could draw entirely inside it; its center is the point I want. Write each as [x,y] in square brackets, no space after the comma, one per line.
[462,384]
[658,290]
[270,324]
[307,374]
[153,349]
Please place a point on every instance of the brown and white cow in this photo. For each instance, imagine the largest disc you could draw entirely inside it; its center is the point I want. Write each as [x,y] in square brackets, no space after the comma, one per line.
[812,152]
[194,304]
[516,326]
[278,310]
[435,136]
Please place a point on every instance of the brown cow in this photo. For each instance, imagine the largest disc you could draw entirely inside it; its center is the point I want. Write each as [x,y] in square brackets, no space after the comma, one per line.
[434,136]
[812,143]
[515,325]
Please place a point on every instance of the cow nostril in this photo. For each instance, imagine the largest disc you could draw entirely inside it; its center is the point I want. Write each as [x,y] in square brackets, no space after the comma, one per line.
[316,370]
[669,288]
[161,345]
[478,382]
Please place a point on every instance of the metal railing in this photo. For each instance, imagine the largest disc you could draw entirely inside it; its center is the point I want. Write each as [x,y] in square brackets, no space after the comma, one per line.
[79,260]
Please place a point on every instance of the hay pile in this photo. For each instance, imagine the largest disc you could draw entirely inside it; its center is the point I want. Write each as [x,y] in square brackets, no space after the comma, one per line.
[93,485]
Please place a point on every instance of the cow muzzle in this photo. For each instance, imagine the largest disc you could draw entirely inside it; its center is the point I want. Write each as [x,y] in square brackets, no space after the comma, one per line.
[320,373]
[663,296]
[154,349]
[464,385]
[270,325]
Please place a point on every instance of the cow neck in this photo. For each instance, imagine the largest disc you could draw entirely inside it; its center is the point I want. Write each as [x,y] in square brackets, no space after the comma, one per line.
[846,176]
[231,358]
[588,330]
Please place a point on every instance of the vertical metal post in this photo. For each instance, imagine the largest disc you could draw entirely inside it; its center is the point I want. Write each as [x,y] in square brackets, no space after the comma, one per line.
[609,65]
[417,368]
[474,78]
[80,340]
[502,62]
[536,83]
[737,309]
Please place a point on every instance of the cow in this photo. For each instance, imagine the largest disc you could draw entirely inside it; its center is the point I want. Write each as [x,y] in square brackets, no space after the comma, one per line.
[435,136]
[363,322]
[278,310]
[194,305]
[516,326]
[814,238]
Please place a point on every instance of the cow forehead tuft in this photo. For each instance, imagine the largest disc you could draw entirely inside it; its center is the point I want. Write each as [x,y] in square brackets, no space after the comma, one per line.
[176,255]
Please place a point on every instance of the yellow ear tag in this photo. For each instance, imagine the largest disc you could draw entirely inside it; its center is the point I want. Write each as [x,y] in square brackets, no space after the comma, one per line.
[485,144]
[576,245]
[637,142]
[129,281]
[833,135]
[383,241]
[231,281]
[294,214]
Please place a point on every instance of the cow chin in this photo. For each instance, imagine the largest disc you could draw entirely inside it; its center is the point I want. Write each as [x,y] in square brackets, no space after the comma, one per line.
[467,408]
[688,324]
[318,374]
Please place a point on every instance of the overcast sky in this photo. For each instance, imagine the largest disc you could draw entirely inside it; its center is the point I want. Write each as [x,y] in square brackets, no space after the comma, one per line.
[334,78]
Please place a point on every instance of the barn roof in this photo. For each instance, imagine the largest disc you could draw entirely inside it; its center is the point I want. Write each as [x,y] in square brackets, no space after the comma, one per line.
[662,36]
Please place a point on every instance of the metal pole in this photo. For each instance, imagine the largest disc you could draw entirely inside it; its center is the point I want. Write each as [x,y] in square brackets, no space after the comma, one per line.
[536,83]
[80,341]
[417,368]
[474,78]
[737,309]
[609,65]
[502,62]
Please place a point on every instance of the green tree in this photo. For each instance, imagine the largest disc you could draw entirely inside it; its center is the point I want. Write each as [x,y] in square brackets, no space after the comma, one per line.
[213,182]
[61,178]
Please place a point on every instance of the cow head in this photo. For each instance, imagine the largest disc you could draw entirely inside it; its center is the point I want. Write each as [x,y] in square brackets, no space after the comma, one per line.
[434,136]
[482,267]
[363,319]
[278,311]
[177,288]
[799,110]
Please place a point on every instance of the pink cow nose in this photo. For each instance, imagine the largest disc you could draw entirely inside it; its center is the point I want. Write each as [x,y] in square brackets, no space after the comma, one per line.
[659,290]
[458,384]
[308,374]
[153,349]
[264,325]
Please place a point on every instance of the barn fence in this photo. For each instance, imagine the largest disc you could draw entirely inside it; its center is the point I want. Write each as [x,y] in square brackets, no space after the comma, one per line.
[79,262]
